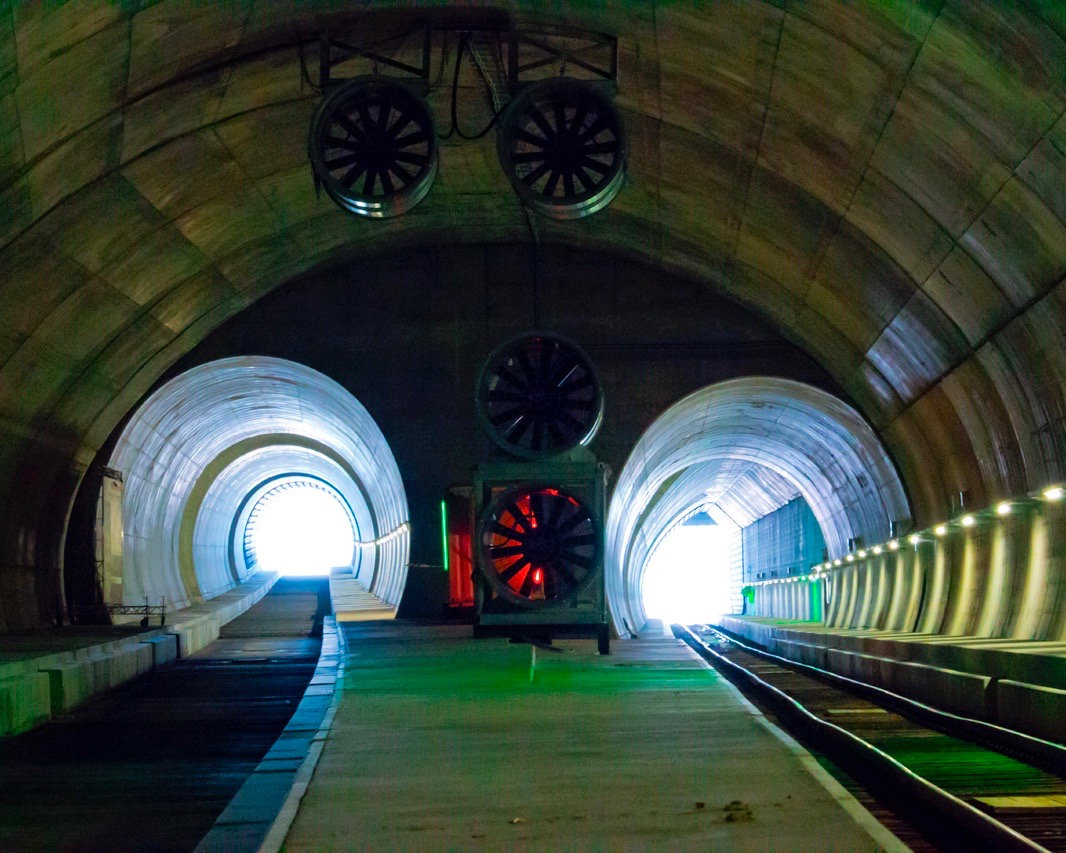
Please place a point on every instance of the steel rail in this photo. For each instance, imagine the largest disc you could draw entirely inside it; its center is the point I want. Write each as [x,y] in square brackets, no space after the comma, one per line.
[1045,754]
[865,761]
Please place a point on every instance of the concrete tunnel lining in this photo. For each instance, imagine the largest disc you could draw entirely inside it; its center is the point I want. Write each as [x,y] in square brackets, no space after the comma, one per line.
[755,442]
[213,435]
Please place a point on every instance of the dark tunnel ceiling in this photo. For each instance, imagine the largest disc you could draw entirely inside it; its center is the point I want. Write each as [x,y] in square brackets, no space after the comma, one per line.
[884,183]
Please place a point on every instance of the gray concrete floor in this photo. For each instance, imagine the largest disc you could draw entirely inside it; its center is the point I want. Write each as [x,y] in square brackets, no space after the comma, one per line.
[444,742]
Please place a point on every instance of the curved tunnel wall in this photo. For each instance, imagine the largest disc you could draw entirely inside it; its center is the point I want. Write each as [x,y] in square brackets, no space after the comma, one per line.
[924,270]
[213,436]
[748,445]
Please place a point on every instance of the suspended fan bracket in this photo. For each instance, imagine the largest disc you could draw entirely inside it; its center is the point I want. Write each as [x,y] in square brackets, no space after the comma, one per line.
[539,548]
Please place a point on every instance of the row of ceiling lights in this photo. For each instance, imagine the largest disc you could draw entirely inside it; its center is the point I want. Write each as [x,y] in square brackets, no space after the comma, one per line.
[1052,493]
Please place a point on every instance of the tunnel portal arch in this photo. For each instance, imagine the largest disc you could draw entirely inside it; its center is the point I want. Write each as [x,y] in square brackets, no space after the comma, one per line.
[202,449]
[742,448]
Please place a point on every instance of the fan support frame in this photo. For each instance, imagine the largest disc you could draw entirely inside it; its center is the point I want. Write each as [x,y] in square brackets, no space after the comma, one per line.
[581,615]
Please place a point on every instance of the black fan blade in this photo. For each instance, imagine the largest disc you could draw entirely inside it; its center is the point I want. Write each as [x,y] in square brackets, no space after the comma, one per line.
[331,141]
[587,182]
[577,383]
[513,570]
[401,173]
[536,508]
[521,427]
[559,503]
[496,396]
[539,119]
[352,175]
[567,419]
[348,125]
[411,139]
[503,417]
[551,585]
[498,552]
[555,434]
[535,175]
[594,129]
[578,121]
[342,161]
[527,157]
[530,139]
[512,533]
[527,585]
[511,379]
[553,182]
[525,365]
[596,165]
[559,110]
[384,113]
[566,575]
[608,147]
[401,122]
[579,517]
[520,518]
[411,158]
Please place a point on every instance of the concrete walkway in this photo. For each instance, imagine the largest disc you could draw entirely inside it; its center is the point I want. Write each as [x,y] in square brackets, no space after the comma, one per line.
[444,742]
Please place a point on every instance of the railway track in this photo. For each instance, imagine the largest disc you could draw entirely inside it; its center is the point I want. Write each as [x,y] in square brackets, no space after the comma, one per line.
[966,784]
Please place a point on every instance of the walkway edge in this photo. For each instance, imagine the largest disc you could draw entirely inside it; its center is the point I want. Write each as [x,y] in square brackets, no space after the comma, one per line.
[881,834]
[261,812]
[279,830]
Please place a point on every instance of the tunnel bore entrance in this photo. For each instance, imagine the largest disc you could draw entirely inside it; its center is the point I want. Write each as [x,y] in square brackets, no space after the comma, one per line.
[790,473]
[236,466]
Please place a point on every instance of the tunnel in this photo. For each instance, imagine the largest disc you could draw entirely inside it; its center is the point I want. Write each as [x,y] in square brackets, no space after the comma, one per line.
[739,450]
[203,458]
[265,269]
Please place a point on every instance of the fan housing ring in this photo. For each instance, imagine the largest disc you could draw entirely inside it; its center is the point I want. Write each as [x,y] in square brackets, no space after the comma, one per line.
[373,147]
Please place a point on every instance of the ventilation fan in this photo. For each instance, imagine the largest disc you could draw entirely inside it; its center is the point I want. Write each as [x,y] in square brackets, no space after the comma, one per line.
[538,544]
[561,144]
[538,396]
[373,147]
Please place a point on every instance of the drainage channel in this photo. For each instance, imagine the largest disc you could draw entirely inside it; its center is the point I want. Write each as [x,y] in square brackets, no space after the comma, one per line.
[152,764]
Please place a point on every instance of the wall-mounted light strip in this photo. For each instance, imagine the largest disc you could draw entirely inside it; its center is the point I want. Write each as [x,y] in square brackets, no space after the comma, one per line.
[444,532]
[388,537]
[1051,493]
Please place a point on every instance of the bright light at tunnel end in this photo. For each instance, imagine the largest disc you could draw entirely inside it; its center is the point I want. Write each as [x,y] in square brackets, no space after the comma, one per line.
[687,578]
[302,531]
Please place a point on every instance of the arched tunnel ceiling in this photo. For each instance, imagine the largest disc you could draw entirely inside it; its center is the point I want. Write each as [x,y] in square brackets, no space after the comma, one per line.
[884,182]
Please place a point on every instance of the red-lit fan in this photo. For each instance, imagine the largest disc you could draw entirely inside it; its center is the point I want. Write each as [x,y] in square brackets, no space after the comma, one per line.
[538,544]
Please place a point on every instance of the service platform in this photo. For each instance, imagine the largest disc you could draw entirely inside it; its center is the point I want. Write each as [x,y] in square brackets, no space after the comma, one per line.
[445,742]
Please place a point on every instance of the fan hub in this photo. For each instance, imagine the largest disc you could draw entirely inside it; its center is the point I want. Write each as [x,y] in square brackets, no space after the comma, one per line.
[542,547]
[542,399]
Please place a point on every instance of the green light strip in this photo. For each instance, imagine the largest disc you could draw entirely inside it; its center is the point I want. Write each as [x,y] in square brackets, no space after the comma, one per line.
[444,531]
